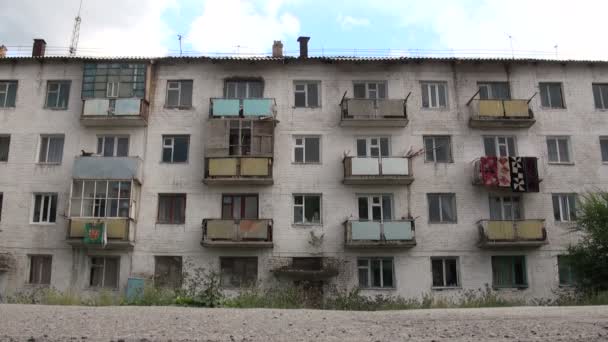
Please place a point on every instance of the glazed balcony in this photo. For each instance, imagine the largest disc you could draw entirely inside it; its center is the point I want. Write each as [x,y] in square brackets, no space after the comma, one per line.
[109,112]
[108,168]
[372,234]
[373,113]
[377,171]
[255,233]
[249,170]
[512,233]
[119,232]
[244,108]
[499,114]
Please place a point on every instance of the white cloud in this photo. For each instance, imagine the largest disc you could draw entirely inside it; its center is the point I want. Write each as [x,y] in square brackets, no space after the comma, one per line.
[232,26]
[347,22]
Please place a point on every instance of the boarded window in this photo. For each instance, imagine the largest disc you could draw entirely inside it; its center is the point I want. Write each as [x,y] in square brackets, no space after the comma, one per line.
[103,80]
[104,272]
[58,94]
[564,207]
[551,95]
[376,272]
[175,148]
[51,149]
[238,272]
[306,94]
[434,94]
[45,208]
[445,271]
[8,93]
[494,91]
[238,207]
[5,142]
[40,269]
[113,146]
[442,208]
[179,94]
[559,149]
[171,208]
[168,271]
[509,271]
[307,209]
[307,149]
[438,149]
[499,146]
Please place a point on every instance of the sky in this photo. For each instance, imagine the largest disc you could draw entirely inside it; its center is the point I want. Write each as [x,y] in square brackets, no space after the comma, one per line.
[467,28]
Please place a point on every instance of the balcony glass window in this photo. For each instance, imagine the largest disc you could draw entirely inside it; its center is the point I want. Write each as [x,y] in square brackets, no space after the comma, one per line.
[238,272]
[307,209]
[51,149]
[494,91]
[113,146]
[551,95]
[8,94]
[240,137]
[45,208]
[442,208]
[171,209]
[179,94]
[175,148]
[104,272]
[438,149]
[40,269]
[499,146]
[101,198]
[5,143]
[57,94]
[376,272]
[111,80]
[243,89]
[509,271]
[237,207]
[505,208]
[307,94]
[375,207]
[373,147]
[600,95]
[445,271]
[369,90]
[564,207]
[434,94]
[559,149]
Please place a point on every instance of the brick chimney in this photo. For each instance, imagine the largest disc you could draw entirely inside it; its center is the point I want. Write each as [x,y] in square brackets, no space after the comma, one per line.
[277,49]
[3,51]
[303,46]
[39,47]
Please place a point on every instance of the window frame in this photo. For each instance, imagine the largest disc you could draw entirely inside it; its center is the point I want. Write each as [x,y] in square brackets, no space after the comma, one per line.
[40,261]
[303,206]
[570,277]
[434,137]
[555,139]
[512,262]
[428,85]
[443,266]
[179,105]
[503,210]
[52,196]
[243,200]
[604,147]
[243,259]
[546,87]
[497,145]
[440,196]
[603,101]
[248,83]
[172,221]
[60,85]
[490,91]
[368,90]
[104,137]
[369,146]
[103,267]
[7,90]
[172,147]
[370,205]
[50,137]
[98,201]
[305,83]
[7,138]
[303,147]
[571,217]
[369,269]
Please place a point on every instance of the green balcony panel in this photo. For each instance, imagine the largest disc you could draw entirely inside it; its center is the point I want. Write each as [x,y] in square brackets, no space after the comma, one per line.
[225,107]
[257,107]
[401,230]
[365,230]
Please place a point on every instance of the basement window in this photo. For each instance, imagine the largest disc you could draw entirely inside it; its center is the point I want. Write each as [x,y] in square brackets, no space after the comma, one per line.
[509,271]
[376,273]
[445,272]
[567,276]
[8,94]
[238,271]
[40,269]
[168,272]
[57,94]
[179,94]
[104,272]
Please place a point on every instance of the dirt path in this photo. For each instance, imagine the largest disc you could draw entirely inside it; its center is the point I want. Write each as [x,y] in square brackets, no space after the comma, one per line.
[72,323]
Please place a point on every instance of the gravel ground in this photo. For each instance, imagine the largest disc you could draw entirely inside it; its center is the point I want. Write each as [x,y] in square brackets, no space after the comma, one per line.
[73,323]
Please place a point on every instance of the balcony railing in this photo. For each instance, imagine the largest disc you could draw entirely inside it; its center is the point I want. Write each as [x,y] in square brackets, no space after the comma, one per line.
[249,108]
[500,114]
[499,178]
[377,171]
[373,234]
[512,233]
[248,170]
[108,168]
[115,112]
[374,112]
[119,232]
[237,233]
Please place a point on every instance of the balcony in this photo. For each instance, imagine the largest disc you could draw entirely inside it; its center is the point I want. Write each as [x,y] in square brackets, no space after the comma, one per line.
[245,108]
[238,171]
[498,114]
[119,232]
[377,171]
[107,168]
[371,234]
[373,113]
[121,112]
[513,174]
[517,233]
[237,233]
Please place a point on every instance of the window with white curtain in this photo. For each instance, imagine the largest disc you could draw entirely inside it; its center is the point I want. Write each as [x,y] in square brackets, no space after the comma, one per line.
[442,208]
[51,149]
[559,149]
[434,94]
[505,208]
[564,207]
[499,146]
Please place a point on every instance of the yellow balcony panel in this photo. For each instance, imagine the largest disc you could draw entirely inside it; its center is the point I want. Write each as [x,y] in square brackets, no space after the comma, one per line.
[516,108]
[512,234]
[254,166]
[491,108]
[253,233]
[500,230]
[117,230]
[221,230]
[223,167]
[530,229]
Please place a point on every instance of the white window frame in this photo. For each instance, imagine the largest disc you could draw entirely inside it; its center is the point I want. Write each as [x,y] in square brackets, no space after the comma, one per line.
[6,85]
[498,144]
[503,209]
[60,85]
[235,83]
[44,195]
[103,272]
[452,197]
[82,197]
[603,139]
[443,260]
[603,102]
[433,87]
[369,146]
[555,139]
[112,89]
[303,206]
[434,137]
[305,92]
[369,91]
[488,85]
[369,272]
[302,146]
[563,200]
[115,138]
[173,85]
[172,147]
[546,86]
[371,205]
[50,137]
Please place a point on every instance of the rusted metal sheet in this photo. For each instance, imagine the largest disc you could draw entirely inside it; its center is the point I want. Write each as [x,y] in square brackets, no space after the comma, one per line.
[223,166]
[516,108]
[491,108]
[253,229]
[254,166]
[221,230]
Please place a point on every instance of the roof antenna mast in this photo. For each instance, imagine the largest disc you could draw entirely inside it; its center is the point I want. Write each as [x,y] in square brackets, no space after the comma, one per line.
[76,32]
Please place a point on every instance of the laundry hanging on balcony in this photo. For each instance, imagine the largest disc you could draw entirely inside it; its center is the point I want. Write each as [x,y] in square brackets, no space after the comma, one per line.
[531,174]
[520,174]
[518,181]
[489,171]
[95,234]
[503,172]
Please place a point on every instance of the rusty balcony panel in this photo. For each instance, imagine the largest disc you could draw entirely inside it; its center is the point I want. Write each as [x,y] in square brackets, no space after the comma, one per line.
[373,113]
[531,178]
[238,170]
[114,112]
[119,231]
[512,233]
[377,171]
[374,234]
[253,108]
[496,114]
[254,233]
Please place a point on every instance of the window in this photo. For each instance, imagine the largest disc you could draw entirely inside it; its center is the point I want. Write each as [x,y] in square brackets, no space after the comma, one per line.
[559,149]
[375,207]
[370,90]
[603,147]
[45,208]
[499,146]
[171,208]
[8,93]
[307,150]
[113,146]
[5,143]
[112,89]
[376,272]
[551,95]
[40,269]
[494,90]
[57,94]
[373,147]
[434,95]
[100,198]
[307,93]
[438,149]
[505,208]
[445,271]
[104,272]
[111,80]
[168,271]
[567,276]
[1,200]
[51,149]
[238,272]
[240,206]
[239,140]
[243,89]
[179,94]
[564,207]
[175,148]
[442,208]
[600,95]
[307,209]
[509,271]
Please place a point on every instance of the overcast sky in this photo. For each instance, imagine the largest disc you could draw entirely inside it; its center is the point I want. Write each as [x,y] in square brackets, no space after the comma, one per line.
[363,27]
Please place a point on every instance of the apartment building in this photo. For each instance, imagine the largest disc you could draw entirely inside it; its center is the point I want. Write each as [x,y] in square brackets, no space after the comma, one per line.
[400,176]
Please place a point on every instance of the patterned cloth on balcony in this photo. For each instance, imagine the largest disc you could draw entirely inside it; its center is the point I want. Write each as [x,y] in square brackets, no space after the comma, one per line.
[518,181]
[504,172]
[489,171]
[531,173]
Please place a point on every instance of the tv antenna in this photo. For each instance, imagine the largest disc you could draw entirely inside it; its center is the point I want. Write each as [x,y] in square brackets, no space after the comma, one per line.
[556,54]
[511,42]
[76,32]
[179,37]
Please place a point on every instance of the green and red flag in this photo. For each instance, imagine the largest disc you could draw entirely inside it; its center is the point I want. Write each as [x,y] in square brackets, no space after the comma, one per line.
[95,234]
